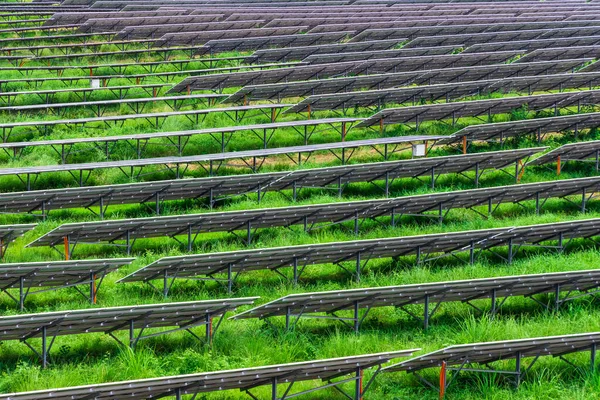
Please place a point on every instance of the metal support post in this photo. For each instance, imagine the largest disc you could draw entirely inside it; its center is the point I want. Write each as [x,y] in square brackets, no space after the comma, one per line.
[518,369]
[358,388]
[426,313]
[356,316]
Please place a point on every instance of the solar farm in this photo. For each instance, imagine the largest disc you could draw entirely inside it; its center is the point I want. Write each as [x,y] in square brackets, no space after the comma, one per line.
[322,199]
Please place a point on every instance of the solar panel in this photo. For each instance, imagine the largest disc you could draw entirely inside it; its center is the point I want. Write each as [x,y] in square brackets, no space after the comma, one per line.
[227,265]
[328,371]
[304,128]
[269,42]
[178,164]
[447,92]
[82,94]
[214,187]
[115,24]
[67,18]
[154,118]
[425,22]
[343,13]
[559,53]
[135,104]
[298,53]
[581,151]
[381,81]
[136,78]
[55,38]
[477,357]
[436,112]
[199,38]
[535,44]
[322,71]
[53,275]
[501,36]
[365,55]
[333,303]
[378,34]
[537,127]
[166,51]
[136,320]
[331,24]
[423,31]
[70,47]
[121,68]
[155,31]
[8,233]
[312,21]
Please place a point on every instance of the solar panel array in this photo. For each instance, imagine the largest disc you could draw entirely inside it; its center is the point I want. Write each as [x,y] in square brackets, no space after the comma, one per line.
[356,253]
[389,80]
[322,71]
[350,94]
[314,304]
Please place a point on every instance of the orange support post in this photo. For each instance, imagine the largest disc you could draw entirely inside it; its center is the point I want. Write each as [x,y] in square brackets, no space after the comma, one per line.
[343,131]
[308,109]
[91,71]
[66,241]
[558,166]
[361,388]
[381,125]
[358,387]
[443,380]
[189,90]
[245,100]
[464,144]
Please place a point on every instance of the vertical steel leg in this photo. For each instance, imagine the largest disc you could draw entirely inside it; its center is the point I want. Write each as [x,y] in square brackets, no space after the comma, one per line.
[274,389]
[131,335]
[229,279]
[92,288]
[21,294]
[165,283]
[518,369]
[248,233]
[44,347]
[426,313]
[295,270]
[358,388]
[356,316]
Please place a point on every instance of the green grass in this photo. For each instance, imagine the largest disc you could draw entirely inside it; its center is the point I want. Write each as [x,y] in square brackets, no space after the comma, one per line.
[95,358]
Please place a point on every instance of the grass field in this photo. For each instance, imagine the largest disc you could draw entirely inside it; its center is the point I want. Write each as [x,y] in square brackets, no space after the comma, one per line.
[86,359]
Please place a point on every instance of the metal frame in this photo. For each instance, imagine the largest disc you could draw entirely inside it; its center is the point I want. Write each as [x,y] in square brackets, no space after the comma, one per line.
[335,305]
[480,357]
[280,379]
[136,320]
